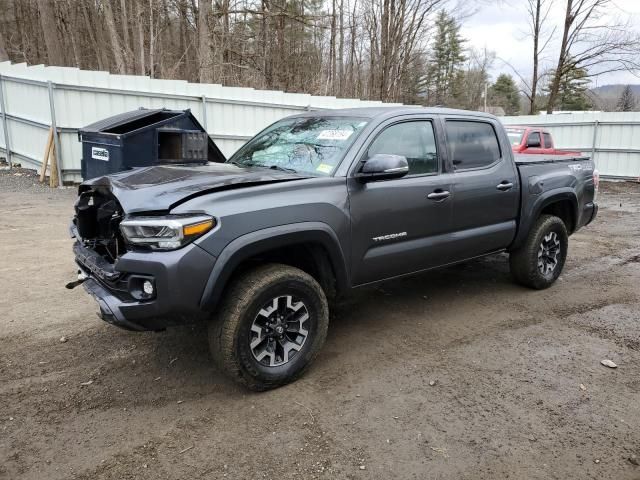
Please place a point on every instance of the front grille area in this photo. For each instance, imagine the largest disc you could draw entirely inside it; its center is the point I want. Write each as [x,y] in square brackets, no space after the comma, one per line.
[97,221]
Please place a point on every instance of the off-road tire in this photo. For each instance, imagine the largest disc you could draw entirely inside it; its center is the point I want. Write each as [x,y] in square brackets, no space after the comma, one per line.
[230,331]
[524,261]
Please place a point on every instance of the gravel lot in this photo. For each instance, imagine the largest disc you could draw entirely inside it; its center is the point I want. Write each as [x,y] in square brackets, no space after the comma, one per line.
[454,374]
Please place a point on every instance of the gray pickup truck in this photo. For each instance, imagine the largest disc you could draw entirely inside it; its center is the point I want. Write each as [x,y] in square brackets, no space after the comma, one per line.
[312,207]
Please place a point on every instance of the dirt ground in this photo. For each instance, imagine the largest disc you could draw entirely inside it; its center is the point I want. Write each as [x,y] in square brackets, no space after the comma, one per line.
[508,364]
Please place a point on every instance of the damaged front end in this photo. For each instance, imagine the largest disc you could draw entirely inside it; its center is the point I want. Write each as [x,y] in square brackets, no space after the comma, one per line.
[97,221]
[143,270]
[99,243]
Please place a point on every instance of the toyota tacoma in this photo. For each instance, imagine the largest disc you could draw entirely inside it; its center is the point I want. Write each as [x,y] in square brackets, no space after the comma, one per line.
[312,207]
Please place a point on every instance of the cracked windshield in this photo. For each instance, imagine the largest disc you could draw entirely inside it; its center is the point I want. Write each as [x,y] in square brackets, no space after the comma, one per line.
[307,145]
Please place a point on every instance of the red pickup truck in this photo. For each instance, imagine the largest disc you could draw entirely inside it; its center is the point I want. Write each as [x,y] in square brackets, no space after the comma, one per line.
[534,140]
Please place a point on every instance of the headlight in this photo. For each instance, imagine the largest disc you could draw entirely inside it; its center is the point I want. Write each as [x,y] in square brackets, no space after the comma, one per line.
[165,233]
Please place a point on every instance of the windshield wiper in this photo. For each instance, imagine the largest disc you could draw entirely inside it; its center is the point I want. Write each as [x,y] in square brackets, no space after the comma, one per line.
[262,165]
[243,164]
[284,169]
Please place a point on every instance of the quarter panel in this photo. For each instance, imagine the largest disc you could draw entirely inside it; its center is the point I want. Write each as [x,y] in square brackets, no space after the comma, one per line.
[546,182]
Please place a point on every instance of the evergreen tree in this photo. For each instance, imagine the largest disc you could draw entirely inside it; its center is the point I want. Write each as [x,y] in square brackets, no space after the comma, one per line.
[445,61]
[504,93]
[572,92]
[627,100]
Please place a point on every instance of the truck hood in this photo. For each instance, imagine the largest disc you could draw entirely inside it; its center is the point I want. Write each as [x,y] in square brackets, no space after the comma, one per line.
[161,188]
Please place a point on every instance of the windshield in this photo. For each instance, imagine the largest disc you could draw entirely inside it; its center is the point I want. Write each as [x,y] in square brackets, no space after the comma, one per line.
[312,145]
[515,136]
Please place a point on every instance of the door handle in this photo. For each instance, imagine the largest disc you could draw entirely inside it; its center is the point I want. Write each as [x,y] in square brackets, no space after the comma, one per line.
[438,195]
[504,186]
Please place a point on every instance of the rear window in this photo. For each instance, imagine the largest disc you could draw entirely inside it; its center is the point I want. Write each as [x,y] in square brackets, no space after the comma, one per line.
[515,136]
[548,143]
[472,144]
[534,137]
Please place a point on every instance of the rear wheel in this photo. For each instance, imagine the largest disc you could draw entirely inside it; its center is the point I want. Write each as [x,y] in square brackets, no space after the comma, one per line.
[539,262]
[270,328]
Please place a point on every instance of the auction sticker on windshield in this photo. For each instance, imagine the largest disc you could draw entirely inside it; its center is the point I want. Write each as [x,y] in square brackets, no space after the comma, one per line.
[324,168]
[334,134]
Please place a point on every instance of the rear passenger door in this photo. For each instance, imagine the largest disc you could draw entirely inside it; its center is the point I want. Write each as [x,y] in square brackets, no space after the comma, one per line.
[485,186]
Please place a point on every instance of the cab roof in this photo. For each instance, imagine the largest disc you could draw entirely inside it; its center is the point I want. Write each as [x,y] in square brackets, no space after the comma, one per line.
[383,112]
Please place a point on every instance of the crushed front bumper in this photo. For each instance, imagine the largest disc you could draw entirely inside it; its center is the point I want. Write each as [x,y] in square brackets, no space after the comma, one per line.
[110,306]
[179,277]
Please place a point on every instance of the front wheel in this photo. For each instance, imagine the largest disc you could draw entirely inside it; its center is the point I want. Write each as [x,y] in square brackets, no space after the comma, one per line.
[271,326]
[539,262]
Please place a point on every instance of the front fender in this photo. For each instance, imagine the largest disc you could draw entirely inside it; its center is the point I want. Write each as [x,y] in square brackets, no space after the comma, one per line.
[260,241]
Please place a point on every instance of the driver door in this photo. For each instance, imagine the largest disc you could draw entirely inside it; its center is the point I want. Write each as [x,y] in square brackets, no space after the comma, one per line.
[400,225]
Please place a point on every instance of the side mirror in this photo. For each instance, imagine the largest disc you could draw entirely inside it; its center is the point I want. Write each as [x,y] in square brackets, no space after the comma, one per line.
[533,143]
[383,166]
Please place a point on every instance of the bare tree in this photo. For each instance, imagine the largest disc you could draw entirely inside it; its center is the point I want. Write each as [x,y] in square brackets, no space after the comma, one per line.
[476,78]
[152,42]
[47,12]
[396,28]
[3,51]
[340,50]
[204,42]
[538,11]
[588,45]
[139,44]
[371,49]
[116,44]
[96,44]
[125,26]
[69,19]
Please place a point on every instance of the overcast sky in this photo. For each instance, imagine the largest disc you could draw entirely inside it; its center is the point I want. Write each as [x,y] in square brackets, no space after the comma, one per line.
[501,26]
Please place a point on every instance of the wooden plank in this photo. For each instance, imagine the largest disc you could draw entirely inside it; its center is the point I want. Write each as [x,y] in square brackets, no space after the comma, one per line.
[53,178]
[47,153]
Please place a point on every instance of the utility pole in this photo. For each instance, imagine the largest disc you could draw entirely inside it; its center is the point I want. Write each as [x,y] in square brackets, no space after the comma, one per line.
[485,97]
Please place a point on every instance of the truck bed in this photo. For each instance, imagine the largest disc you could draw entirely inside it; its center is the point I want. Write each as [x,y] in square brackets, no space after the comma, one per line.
[531,159]
[546,176]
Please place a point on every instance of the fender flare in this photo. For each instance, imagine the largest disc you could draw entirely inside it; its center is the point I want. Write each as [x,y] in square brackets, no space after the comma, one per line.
[532,212]
[260,241]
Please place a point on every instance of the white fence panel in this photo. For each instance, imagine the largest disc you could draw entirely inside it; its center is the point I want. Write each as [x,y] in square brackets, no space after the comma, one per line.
[231,115]
[26,140]
[611,138]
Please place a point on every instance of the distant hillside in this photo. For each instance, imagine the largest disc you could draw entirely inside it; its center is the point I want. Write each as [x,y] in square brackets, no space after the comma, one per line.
[614,90]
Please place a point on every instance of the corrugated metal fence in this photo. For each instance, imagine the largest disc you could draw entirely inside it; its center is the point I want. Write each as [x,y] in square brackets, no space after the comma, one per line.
[33,98]
[611,139]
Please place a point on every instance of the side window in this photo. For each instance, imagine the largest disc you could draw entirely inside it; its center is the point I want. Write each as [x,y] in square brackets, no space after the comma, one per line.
[472,144]
[413,140]
[548,143]
[534,137]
